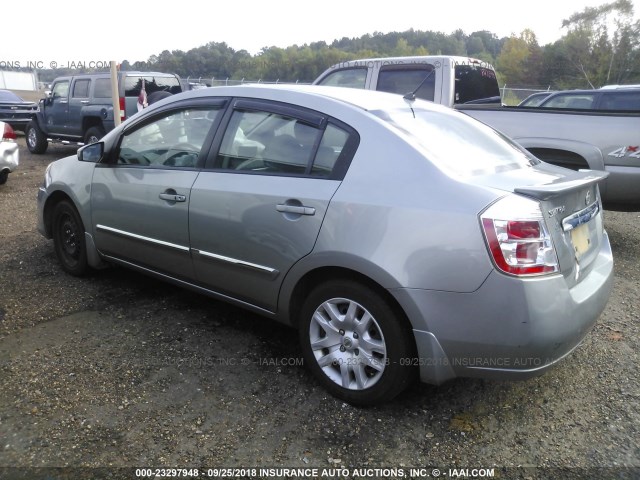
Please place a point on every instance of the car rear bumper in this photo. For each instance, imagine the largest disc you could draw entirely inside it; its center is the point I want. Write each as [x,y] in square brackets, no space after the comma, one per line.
[9,156]
[510,328]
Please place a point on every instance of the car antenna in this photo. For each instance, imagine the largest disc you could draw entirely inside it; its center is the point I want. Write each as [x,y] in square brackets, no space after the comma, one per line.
[411,96]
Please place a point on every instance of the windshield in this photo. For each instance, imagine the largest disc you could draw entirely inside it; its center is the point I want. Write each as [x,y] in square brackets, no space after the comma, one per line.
[458,144]
[475,83]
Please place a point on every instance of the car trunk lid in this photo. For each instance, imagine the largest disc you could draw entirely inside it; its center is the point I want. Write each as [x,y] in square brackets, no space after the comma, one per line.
[572,210]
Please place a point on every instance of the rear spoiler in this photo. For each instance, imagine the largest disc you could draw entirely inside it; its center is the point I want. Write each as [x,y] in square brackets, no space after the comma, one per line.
[580,179]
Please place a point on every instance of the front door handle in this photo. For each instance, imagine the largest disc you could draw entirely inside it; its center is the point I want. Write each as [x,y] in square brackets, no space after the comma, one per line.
[297,209]
[173,197]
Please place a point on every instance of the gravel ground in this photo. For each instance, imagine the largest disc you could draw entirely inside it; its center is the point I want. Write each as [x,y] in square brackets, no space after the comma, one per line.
[119,370]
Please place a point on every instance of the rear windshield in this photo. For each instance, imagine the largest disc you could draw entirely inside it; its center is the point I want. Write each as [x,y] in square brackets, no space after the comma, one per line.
[457,143]
[417,79]
[475,83]
[133,84]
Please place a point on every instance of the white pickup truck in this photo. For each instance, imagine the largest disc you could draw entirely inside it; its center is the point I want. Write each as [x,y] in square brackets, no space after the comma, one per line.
[577,139]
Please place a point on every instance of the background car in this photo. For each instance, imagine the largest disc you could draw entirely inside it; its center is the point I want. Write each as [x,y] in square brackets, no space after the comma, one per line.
[9,153]
[15,111]
[534,99]
[80,107]
[399,237]
[602,99]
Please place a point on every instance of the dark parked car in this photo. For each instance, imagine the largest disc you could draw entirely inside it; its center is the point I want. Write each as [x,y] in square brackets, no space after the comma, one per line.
[80,107]
[614,99]
[534,99]
[15,111]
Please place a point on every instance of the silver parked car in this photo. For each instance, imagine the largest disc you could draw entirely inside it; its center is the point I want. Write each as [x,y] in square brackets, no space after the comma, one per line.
[9,152]
[399,237]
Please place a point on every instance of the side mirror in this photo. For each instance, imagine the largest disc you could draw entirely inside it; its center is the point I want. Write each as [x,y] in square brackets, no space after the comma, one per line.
[91,153]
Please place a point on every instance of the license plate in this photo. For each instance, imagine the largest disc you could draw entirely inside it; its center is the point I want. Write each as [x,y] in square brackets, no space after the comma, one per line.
[580,239]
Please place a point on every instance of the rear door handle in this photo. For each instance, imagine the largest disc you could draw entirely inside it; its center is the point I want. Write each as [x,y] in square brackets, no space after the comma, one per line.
[297,209]
[173,197]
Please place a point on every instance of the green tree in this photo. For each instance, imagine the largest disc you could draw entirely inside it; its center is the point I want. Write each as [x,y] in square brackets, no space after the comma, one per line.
[520,60]
[595,54]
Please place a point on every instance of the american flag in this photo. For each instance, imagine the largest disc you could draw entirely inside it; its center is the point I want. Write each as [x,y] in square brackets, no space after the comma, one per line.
[142,98]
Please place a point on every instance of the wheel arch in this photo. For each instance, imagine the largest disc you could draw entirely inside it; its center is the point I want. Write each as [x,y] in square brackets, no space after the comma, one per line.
[90,122]
[317,276]
[93,256]
[567,153]
[38,119]
[47,216]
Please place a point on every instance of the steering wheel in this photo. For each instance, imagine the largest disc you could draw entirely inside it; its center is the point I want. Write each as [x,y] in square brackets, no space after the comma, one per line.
[178,150]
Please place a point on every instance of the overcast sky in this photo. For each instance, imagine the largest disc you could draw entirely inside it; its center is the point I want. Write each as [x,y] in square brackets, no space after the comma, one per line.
[74,30]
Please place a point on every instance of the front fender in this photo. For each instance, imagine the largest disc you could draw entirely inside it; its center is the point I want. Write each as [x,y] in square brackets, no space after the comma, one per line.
[40,119]
[70,178]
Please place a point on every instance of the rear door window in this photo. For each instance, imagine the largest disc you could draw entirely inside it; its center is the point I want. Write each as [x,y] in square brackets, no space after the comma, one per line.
[81,88]
[102,88]
[278,142]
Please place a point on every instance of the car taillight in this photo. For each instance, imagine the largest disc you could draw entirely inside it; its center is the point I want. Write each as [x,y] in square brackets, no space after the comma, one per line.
[123,112]
[8,133]
[517,237]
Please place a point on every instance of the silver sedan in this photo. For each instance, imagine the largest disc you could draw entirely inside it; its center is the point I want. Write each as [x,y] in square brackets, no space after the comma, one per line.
[9,151]
[399,237]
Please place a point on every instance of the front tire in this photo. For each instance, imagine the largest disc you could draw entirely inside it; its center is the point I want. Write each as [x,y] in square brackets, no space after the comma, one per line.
[355,343]
[68,239]
[36,140]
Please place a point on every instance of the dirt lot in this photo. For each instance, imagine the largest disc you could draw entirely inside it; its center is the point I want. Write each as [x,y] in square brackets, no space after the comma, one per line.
[118,370]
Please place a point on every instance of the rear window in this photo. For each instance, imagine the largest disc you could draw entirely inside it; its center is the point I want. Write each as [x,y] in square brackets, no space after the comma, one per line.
[407,79]
[152,83]
[458,144]
[475,83]
[620,101]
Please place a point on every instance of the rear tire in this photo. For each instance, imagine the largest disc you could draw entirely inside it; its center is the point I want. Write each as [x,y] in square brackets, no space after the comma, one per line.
[36,140]
[355,343]
[93,135]
[68,239]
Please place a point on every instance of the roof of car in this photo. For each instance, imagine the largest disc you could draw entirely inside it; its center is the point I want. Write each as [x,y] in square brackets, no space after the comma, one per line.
[364,99]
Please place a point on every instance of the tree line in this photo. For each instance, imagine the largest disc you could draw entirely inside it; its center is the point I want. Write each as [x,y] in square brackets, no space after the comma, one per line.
[601,45]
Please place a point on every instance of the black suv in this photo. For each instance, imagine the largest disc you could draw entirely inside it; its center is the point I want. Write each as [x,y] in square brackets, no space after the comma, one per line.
[80,109]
